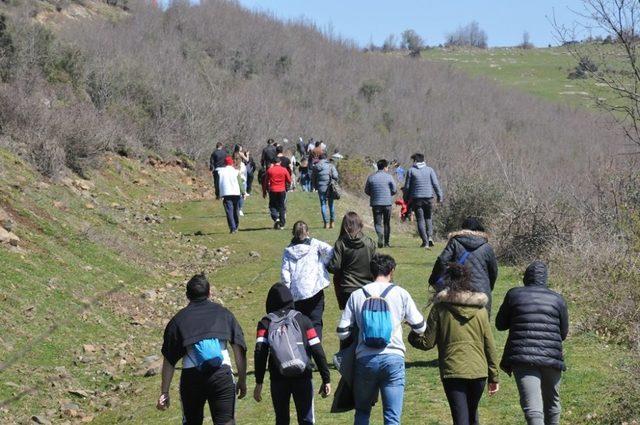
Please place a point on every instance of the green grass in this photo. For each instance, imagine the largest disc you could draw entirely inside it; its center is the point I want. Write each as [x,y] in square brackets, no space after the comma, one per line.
[66,250]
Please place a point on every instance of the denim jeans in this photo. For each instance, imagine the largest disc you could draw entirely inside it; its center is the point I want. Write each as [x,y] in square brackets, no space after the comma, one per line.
[327,202]
[305,181]
[424,211]
[539,389]
[231,209]
[382,222]
[384,372]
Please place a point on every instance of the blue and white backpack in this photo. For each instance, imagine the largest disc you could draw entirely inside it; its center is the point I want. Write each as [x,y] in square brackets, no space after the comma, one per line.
[377,323]
[206,355]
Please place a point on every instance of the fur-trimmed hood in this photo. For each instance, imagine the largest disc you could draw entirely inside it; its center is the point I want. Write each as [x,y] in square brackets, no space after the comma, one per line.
[464,304]
[470,239]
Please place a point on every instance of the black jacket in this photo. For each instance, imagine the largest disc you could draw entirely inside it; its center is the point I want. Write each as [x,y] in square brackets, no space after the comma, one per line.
[218,158]
[481,262]
[537,320]
[352,261]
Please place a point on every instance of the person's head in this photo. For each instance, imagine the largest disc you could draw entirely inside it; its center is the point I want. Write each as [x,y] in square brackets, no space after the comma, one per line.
[417,157]
[318,143]
[198,288]
[228,161]
[219,145]
[279,149]
[383,164]
[276,160]
[536,274]
[472,223]
[237,148]
[300,231]
[278,298]
[351,225]
[382,265]
[458,278]
[269,142]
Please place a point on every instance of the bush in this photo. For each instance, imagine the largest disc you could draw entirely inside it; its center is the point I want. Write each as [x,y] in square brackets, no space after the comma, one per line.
[370,89]
[353,173]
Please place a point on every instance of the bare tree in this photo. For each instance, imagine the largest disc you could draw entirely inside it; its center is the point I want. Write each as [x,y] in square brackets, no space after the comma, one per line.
[390,44]
[412,41]
[470,35]
[526,41]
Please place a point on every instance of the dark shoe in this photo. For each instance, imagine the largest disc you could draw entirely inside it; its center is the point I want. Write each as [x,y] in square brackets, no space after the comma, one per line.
[387,245]
[380,245]
[423,245]
[326,226]
[276,225]
[331,224]
[431,244]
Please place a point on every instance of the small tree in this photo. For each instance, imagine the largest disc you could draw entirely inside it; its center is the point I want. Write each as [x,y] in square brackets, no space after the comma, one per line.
[470,35]
[526,41]
[390,44]
[412,41]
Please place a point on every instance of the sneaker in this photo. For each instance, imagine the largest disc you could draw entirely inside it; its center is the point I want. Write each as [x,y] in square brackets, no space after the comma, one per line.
[331,224]
[387,245]
[326,226]
[423,245]
[276,225]
[240,213]
[380,245]
[431,244]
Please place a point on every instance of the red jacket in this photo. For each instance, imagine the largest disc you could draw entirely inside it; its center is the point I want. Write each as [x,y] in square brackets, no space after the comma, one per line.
[276,179]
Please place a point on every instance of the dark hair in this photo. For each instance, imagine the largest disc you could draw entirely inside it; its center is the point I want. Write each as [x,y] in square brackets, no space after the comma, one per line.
[279,149]
[318,143]
[473,223]
[351,225]
[458,278]
[382,164]
[237,148]
[276,160]
[198,287]
[269,141]
[218,145]
[300,231]
[382,265]
[417,157]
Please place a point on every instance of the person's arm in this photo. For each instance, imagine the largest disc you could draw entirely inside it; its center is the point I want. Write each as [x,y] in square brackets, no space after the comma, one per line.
[564,320]
[335,265]
[285,271]
[440,265]
[347,321]
[172,351]
[367,187]
[489,348]
[503,319]
[287,176]
[436,186]
[260,358]
[334,173]
[392,186]
[325,251]
[407,186]
[492,267]
[212,162]
[240,357]
[167,376]
[241,184]
[412,315]
[428,339]
[265,183]
[318,355]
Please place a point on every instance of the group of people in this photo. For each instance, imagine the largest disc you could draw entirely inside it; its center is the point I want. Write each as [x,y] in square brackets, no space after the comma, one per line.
[374,307]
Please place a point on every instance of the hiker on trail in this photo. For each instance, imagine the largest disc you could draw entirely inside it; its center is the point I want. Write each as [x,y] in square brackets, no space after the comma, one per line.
[538,322]
[337,156]
[200,334]
[301,147]
[251,171]
[323,173]
[293,167]
[316,153]
[305,175]
[351,261]
[304,271]
[381,188]
[275,184]
[287,340]
[231,191]
[268,154]
[239,164]
[399,171]
[458,324]
[421,185]
[377,311]
[469,246]
[215,162]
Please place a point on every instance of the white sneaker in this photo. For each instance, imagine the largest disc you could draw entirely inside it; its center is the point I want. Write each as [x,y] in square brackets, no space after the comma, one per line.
[241,214]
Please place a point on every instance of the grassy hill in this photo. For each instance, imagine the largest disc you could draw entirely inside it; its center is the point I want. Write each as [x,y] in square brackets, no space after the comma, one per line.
[100,270]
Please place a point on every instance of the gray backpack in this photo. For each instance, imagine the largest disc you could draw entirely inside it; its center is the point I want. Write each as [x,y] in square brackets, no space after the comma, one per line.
[286,343]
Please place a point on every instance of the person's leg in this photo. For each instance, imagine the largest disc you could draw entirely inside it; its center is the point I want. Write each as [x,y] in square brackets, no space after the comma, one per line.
[365,387]
[235,201]
[551,395]
[229,212]
[302,390]
[392,388]
[528,381]
[387,224]
[273,206]
[332,210]
[378,218]
[192,396]
[420,220]
[313,308]
[221,393]
[428,216]
[280,396]
[475,389]
[249,182]
[456,392]
[241,201]
[282,208]
[323,206]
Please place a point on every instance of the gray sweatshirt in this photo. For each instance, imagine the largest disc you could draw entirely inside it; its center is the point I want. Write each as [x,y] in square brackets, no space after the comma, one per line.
[322,173]
[380,187]
[422,182]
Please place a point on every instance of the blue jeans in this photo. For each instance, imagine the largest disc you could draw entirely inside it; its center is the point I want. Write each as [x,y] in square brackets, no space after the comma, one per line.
[326,201]
[384,372]
[305,181]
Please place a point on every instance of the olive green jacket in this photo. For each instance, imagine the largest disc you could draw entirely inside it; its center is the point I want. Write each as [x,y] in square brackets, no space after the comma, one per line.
[459,325]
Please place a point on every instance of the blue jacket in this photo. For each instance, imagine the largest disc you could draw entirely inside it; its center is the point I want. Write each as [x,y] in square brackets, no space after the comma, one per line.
[380,187]
[422,182]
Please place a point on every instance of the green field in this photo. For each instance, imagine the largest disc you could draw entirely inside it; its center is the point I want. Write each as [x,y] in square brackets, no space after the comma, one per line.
[73,253]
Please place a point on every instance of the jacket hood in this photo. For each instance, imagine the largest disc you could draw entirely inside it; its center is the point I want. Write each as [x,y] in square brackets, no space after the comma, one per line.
[279,298]
[536,274]
[299,250]
[470,239]
[420,164]
[354,243]
[463,304]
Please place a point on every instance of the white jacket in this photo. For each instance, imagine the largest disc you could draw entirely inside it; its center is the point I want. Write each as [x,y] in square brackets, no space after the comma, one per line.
[229,181]
[304,269]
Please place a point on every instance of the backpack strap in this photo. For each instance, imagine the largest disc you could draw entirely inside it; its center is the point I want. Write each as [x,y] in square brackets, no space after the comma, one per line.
[387,290]
[366,294]
[464,257]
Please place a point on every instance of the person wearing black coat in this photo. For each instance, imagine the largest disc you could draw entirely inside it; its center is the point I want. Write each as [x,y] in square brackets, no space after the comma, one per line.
[481,259]
[538,322]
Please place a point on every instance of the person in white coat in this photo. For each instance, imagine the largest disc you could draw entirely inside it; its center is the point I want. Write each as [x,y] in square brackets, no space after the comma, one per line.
[231,191]
[304,272]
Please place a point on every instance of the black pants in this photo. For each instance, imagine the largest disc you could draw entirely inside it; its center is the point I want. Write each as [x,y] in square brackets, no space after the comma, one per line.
[250,177]
[464,396]
[382,222]
[313,308]
[216,183]
[302,391]
[423,209]
[218,389]
[231,209]
[278,206]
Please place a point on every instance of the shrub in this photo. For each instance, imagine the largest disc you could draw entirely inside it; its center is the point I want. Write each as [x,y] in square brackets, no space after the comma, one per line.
[353,173]
[370,89]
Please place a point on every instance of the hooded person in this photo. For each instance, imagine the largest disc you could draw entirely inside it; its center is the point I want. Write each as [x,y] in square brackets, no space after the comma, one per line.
[280,308]
[538,322]
[458,324]
[469,246]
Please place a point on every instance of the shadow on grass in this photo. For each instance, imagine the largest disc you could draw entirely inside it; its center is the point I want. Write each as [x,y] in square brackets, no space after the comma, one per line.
[422,363]
[254,229]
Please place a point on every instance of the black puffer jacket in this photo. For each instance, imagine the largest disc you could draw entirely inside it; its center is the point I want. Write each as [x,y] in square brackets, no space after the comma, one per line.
[537,320]
[481,262]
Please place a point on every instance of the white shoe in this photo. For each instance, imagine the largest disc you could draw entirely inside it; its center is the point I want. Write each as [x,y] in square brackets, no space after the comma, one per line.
[241,214]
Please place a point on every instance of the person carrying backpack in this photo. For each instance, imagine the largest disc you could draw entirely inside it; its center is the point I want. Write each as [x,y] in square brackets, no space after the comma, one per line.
[469,246]
[421,186]
[459,325]
[378,310]
[286,339]
[200,334]
[323,173]
[538,322]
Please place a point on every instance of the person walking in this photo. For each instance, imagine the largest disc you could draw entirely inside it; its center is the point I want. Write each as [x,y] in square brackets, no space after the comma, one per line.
[351,261]
[323,173]
[381,188]
[458,324]
[251,171]
[377,311]
[469,246]
[200,335]
[301,147]
[304,272]
[286,340]
[238,164]
[538,322]
[268,154]
[231,191]
[421,185]
[216,161]
[275,184]
[305,175]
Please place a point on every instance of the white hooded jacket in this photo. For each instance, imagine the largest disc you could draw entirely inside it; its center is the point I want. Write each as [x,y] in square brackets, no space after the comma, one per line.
[304,269]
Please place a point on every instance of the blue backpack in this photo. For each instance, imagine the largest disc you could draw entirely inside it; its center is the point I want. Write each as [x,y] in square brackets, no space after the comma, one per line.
[463,259]
[377,324]
[207,355]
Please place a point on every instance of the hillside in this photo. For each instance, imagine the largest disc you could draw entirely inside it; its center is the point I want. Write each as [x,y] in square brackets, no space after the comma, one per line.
[100,268]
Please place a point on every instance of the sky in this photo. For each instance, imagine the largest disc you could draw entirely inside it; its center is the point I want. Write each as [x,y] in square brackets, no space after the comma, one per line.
[373,20]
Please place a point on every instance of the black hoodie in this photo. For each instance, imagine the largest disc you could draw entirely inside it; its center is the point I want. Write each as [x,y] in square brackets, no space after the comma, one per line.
[537,320]
[280,302]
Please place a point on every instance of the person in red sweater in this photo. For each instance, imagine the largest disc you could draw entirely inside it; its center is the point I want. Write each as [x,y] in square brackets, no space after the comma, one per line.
[275,184]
